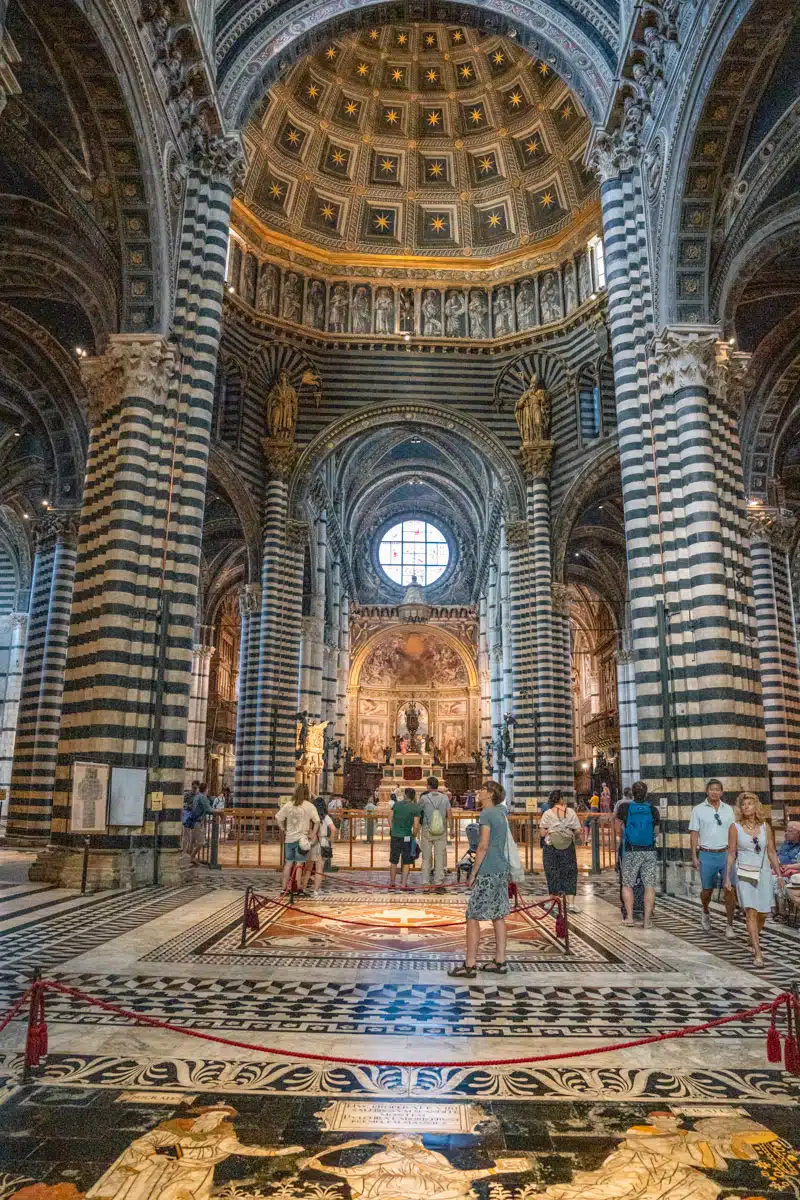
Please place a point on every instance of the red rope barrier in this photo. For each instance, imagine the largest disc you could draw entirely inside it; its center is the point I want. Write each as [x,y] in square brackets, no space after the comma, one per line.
[156,1023]
[12,1012]
[378,925]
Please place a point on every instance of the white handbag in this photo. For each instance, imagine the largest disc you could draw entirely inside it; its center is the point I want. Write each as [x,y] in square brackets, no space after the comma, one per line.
[514,860]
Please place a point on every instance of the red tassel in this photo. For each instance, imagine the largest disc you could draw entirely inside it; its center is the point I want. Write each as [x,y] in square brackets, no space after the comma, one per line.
[36,1045]
[251,919]
[791,1053]
[561,926]
[773,1042]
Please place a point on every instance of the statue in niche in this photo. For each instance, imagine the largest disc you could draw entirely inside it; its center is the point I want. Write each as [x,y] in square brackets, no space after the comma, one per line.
[503,312]
[550,299]
[291,306]
[478,315]
[337,319]
[532,412]
[526,305]
[361,318]
[315,304]
[384,311]
[406,298]
[455,311]
[250,282]
[282,409]
[584,277]
[267,297]
[570,288]
[431,314]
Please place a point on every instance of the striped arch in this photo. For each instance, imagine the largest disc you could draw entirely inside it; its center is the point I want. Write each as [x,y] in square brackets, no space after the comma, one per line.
[516,377]
[602,464]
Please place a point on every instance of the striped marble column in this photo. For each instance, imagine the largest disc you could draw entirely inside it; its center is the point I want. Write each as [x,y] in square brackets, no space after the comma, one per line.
[13,627]
[484,672]
[522,639]
[563,753]
[202,654]
[33,771]
[771,535]
[628,728]
[342,680]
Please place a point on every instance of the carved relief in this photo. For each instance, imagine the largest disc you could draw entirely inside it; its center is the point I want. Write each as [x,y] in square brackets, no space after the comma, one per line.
[132,365]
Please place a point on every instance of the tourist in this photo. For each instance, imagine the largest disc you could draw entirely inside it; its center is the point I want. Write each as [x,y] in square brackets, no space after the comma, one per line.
[789,849]
[201,807]
[186,816]
[559,827]
[320,844]
[751,847]
[435,809]
[335,807]
[299,821]
[404,829]
[489,880]
[637,821]
[627,794]
[708,832]
[605,799]
[222,800]
[369,824]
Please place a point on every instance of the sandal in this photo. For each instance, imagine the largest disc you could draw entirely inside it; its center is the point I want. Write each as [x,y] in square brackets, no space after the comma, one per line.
[462,972]
[495,968]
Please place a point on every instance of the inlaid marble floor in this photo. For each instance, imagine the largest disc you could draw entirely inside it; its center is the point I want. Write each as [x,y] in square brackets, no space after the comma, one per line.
[135,1113]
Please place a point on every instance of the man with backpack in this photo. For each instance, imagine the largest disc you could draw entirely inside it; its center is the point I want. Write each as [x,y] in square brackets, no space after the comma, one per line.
[637,822]
[435,808]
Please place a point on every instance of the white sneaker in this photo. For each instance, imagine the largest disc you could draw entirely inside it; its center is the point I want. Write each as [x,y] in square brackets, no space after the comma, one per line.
[573,908]
[730,933]
[705,922]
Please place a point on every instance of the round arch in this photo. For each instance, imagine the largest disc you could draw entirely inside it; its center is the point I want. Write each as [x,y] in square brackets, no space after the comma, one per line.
[418,416]
[401,629]
[599,466]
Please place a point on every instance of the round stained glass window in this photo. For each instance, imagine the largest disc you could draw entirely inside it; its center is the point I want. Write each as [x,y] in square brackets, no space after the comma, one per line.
[414,548]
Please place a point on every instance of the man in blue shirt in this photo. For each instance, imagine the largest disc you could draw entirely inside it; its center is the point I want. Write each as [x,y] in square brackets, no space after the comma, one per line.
[789,849]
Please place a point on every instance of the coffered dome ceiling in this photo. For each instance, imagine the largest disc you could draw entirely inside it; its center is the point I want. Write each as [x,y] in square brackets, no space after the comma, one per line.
[420,139]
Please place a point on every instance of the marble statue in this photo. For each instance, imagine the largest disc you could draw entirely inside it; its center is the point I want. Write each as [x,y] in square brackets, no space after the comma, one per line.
[406,297]
[454,313]
[584,277]
[431,314]
[282,409]
[526,305]
[384,311]
[570,288]
[337,320]
[549,297]
[250,279]
[503,312]
[532,411]
[315,304]
[267,296]
[478,315]
[292,290]
[361,316]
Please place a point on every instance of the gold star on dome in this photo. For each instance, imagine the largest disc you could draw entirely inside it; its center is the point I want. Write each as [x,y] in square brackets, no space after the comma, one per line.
[276,191]
[402,38]
[391,116]
[351,108]
[433,118]
[437,224]
[431,76]
[373,33]
[397,75]
[457,35]
[292,136]
[494,220]
[312,91]
[486,164]
[435,169]
[337,157]
[387,165]
[566,112]
[327,212]
[547,199]
[330,53]
[498,57]
[532,146]
[363,69]
[466,71]
[382,221]
[476,115]
[544,69]
[515,99]
[430,40]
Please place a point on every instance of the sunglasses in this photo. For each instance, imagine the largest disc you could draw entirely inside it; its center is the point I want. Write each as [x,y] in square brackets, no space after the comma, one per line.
[718,818]
[756,846]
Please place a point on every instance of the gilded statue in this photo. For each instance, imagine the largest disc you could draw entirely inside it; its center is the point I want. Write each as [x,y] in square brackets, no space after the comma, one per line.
[282,409]
[532,411]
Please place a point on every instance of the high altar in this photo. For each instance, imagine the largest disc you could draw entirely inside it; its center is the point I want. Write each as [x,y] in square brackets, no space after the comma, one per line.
[408,767]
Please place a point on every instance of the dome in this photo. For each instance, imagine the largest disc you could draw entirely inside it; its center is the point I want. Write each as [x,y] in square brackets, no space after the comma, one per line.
[433,140]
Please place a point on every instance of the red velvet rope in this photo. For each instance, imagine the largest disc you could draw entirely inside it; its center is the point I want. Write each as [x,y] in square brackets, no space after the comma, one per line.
[12,1012]
[378,925]
[154,1022]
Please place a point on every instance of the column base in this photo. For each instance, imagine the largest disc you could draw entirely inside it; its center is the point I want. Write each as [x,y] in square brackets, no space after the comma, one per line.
[25,841]
[682,881]
[62,866]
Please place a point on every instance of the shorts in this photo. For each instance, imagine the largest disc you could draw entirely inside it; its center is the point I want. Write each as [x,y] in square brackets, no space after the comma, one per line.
[636,863]
[293,853]
[198,833]
[712,869]
[400,851]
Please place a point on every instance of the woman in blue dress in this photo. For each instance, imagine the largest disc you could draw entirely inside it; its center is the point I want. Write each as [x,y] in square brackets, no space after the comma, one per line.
[751,845]
[489,880]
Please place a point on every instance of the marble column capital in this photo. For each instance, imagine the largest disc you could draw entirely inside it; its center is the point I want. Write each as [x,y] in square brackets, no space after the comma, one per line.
[516,534]
[57,525]
[250,599]
[220,156]
[313,628]
[297,533]
[537,459]
[134,364]
[623,657]
[696,356]
[773,526]
[281,455]
[611,154]
[202,651]
[560,599]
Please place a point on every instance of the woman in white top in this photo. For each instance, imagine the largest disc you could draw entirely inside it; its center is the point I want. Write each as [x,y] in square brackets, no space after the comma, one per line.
[320,843]
[559,827]
[299,822]
[751,845]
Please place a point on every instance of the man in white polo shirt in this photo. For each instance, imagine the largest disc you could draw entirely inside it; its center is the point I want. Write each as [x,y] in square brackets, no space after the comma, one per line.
[708,830]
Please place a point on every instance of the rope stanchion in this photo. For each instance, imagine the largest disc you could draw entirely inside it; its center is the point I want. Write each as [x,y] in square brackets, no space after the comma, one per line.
[786,999]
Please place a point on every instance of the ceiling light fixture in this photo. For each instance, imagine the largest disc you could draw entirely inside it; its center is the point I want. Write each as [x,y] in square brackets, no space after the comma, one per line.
[231,289]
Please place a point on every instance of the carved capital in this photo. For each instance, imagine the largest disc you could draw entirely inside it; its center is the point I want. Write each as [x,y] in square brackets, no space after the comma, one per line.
[560,598]
[281,457]
[134,365]
[220,156]
[250,599]
[57,525]
[297,534]
[517,534]
[687,356]
[733,366]
[772,525]
[623,657]
[537,459]
[313,629]
[612,153]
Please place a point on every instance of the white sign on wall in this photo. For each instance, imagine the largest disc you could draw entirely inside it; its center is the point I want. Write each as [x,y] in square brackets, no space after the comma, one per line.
[89,797]
[128,791]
